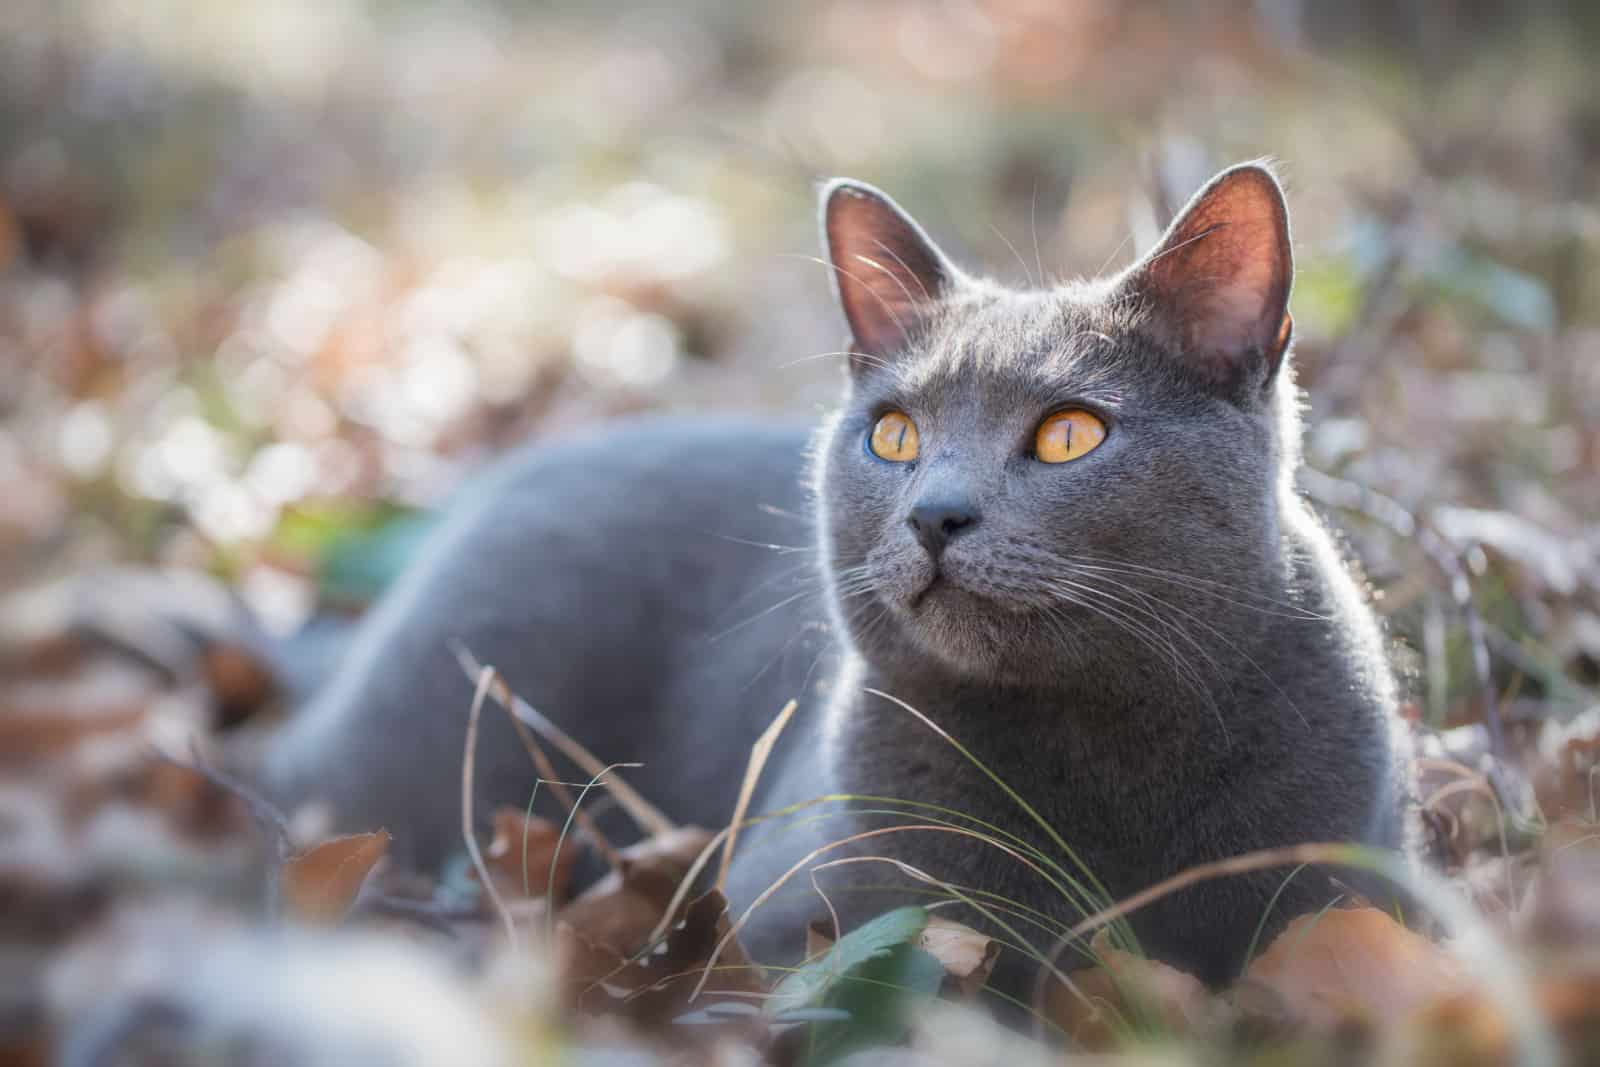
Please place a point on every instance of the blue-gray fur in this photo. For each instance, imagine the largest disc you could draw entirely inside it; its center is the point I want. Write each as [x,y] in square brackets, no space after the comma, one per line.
[1157,644]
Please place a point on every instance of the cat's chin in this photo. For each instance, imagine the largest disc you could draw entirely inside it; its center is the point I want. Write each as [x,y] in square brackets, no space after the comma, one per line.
[962,627]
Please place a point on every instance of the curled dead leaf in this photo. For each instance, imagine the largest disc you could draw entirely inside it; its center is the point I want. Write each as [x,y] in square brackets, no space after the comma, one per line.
[1123,990]
[600,932]
[1353,964]
[320,884]
[619,911]
[967,955]
[1466,1028]
[522,852]
[658,984]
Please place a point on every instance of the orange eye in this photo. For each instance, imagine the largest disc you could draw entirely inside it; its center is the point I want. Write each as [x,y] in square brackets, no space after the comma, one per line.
[894,438]
[1067,435]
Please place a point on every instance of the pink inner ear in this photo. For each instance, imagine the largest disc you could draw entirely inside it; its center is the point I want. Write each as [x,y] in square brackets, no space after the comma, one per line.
[1235,309]
[1220,279]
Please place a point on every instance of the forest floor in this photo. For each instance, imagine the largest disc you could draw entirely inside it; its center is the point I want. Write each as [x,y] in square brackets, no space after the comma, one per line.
[274,278]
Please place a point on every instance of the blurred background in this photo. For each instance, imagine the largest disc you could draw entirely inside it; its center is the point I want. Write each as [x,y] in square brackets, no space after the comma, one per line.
[276,274]
[275,277]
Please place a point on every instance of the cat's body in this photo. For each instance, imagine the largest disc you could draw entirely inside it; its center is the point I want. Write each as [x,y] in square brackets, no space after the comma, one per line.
[1154,643]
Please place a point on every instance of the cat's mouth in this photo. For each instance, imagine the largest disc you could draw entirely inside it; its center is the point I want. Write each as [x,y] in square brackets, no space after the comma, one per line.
[945,592]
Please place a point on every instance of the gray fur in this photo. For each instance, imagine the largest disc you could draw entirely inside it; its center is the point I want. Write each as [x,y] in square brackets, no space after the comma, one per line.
[1157,645]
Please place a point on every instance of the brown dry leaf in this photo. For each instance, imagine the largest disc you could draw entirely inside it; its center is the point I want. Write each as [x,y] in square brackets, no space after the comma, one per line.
[1353,963]
[321,883]
[658,985]
[240,682]
[1125,988]
[967,955]
[520,855]
[1567,779]
[44,717]
[193,803]
[601,930]
[819,937]
[619,911]
[1471,1028]
[669,975]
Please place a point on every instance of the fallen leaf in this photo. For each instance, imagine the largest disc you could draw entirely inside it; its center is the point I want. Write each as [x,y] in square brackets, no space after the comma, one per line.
[1567,779]
[522,852]
[1466,1028]
[619,911]
[46,717]
[1123,991]
[813,981]
[1353,964]
[968,956]
[194,803]
[658,984]
[320,884]
[673,968]
[240,682]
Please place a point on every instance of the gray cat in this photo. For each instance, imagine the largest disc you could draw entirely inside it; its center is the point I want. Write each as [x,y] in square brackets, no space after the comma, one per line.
[1061,524]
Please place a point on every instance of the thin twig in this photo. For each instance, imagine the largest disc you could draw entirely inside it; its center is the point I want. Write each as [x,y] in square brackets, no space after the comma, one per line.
[274,825]
[548,775]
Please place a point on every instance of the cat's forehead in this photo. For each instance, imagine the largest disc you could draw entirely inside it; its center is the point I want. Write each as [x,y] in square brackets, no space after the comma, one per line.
[1073,337]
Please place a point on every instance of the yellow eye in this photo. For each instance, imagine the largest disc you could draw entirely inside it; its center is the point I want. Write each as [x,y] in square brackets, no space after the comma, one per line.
[1067,435]
[894,438]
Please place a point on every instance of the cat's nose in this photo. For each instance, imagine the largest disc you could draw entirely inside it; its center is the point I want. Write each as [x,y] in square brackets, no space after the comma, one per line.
[937,522]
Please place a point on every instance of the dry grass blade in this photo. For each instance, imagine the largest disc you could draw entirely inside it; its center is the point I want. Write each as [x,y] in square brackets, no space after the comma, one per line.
[759,753]
[486,679]
[649,818]
[800,865]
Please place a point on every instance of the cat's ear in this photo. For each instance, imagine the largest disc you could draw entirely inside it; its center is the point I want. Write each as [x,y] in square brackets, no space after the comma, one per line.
[1217,285]
[887,273]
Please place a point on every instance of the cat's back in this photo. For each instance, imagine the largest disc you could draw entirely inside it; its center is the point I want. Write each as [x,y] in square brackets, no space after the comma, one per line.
[642,585]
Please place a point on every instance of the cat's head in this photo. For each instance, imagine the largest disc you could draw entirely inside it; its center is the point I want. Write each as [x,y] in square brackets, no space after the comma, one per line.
[1018,480]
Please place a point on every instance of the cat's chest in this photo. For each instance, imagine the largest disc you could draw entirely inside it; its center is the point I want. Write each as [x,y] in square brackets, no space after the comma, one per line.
[1116,788]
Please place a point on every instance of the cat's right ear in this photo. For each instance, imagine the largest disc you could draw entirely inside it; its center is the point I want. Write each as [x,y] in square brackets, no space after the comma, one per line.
[887,273]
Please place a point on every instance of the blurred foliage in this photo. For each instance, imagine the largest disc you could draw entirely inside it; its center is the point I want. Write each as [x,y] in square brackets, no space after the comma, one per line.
[267,267]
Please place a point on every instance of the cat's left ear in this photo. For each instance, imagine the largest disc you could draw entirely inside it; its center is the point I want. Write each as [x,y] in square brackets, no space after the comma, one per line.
[888,273]
[1217,285]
